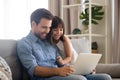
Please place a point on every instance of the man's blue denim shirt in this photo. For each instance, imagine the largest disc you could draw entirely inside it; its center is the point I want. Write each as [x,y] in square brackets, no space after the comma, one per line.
[34,52]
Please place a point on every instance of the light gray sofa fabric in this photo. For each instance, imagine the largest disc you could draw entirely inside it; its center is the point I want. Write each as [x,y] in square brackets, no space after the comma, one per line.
[8,52]
[111,69]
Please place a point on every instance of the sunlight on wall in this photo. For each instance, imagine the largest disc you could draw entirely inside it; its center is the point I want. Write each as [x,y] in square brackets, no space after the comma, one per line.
[15,17]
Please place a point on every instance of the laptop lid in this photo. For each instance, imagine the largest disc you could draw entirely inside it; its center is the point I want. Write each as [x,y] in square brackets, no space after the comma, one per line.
[85,63]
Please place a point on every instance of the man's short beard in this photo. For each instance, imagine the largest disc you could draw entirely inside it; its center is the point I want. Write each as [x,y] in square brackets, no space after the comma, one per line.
[38,35]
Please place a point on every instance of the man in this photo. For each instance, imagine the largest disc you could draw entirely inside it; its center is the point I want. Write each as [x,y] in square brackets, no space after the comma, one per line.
[39,57]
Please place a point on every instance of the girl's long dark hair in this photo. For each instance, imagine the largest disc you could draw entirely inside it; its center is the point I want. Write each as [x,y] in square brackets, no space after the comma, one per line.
[56,21]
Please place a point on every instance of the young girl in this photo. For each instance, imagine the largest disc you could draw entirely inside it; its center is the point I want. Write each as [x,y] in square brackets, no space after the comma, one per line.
[57,37]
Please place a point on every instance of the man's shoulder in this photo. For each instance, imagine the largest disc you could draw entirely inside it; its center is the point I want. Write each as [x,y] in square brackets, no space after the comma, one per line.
[23,42]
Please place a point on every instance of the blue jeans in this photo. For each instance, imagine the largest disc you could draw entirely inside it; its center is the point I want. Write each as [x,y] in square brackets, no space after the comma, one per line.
[98,77]
[81,77]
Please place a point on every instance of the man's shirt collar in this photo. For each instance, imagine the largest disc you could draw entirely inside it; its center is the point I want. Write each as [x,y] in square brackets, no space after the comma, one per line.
[34,38]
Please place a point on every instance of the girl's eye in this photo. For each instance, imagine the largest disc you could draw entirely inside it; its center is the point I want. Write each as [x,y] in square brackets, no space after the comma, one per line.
[61,29]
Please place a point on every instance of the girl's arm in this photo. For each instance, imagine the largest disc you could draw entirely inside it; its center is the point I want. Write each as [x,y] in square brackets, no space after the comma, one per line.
[68,51]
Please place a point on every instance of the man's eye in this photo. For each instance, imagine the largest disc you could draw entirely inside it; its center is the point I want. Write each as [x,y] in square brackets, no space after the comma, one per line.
[44,27]
[55,29]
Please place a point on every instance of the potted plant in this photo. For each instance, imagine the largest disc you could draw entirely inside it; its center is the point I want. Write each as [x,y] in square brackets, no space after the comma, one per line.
[96,15]
[76,31]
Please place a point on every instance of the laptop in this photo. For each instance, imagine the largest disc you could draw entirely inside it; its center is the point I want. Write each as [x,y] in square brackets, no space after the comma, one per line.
[86,63]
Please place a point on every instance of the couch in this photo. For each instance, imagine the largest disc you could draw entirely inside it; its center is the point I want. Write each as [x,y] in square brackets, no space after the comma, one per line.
[8,52]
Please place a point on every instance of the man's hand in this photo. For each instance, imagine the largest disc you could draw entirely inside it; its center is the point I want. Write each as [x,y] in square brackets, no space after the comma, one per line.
[65,71]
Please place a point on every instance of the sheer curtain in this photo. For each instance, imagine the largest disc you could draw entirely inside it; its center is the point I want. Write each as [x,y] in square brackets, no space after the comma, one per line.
[70,15]
[115,55]
[15,17]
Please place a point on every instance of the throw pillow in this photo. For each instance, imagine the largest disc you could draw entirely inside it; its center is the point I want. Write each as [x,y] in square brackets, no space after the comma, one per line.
[81,45]
[5,72]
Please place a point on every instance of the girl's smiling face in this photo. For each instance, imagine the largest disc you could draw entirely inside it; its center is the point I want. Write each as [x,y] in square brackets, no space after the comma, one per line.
[57,32]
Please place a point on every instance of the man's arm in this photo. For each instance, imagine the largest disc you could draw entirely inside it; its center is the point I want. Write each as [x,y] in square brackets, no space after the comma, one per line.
[24,52]
[29,62]
[48,72]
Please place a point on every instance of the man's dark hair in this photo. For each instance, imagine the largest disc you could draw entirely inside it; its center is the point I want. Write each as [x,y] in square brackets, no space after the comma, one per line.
[38,14]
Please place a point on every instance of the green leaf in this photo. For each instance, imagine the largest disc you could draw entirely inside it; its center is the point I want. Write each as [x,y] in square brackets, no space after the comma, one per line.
[85,22]
[98,13]
[94,22]
[82,16]
[86,10]
[97,8]
[97,17]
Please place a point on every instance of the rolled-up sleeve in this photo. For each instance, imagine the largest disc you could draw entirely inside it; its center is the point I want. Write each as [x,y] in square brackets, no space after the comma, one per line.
[24,51]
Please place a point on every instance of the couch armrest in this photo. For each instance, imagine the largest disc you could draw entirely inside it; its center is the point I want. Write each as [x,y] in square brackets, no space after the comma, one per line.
[111,69]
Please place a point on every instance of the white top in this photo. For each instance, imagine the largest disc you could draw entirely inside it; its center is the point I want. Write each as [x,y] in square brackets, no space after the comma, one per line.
[62,51]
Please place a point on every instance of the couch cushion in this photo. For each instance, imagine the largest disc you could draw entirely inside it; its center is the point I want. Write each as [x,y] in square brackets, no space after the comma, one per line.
[116,79]
[8,52]
[111,69]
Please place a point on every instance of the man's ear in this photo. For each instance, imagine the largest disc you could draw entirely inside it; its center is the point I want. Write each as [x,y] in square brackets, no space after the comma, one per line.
[33,24]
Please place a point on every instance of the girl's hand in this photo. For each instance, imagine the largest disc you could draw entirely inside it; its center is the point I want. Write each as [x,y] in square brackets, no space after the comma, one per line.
[60,60]
[94,71]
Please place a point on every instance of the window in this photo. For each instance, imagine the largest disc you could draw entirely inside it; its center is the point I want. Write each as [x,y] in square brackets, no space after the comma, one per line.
[15,17]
